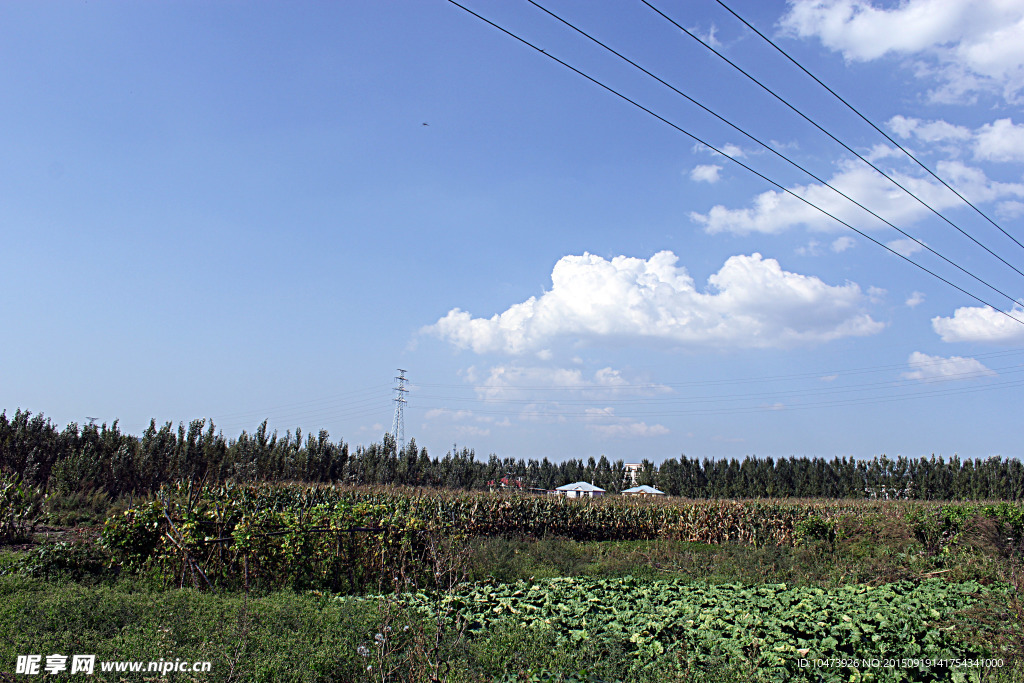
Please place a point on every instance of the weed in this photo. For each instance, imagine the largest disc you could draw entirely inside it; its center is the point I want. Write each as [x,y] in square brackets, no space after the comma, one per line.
[76,508]
[75,561]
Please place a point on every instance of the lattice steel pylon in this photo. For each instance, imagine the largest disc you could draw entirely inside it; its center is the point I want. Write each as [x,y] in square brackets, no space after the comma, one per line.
[398,428]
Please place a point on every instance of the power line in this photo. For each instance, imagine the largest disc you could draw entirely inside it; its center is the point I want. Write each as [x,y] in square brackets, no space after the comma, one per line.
[634,405]
[868,121]
[745,395]
[366,410]
[833,137]
[770,149]
[774,379]
[734,160]
[351,404]
[357,396]
[966,375]
[593,415]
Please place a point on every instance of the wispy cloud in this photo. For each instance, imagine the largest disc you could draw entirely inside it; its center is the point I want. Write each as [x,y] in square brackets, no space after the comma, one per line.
[930,368]
[775,211]
[843,243]
[905,247]
[1000,140]
[604,422]
[514,381]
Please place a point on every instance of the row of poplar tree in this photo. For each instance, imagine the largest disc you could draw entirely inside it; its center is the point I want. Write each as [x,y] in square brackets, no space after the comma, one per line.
[101,457]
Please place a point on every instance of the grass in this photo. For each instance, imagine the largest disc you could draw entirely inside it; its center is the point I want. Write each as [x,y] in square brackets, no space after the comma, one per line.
[866,552]
[280,636]
[80,508]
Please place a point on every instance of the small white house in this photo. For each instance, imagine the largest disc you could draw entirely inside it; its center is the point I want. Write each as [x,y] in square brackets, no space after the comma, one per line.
[644,490]
[580,489]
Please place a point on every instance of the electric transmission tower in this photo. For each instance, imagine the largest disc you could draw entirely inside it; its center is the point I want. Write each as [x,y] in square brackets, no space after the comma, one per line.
[398,429]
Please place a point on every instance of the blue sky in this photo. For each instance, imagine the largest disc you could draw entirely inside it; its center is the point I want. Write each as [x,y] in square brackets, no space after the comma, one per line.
[235,211]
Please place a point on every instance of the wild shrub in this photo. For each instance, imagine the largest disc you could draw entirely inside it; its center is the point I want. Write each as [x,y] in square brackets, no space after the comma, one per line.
[81,561]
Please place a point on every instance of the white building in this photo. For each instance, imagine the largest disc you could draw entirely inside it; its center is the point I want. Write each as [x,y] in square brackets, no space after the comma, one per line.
[644,490]
[580,489]
[632,471]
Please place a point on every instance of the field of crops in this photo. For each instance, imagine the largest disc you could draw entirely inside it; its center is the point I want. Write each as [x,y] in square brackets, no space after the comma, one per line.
[611,589]
[877,633]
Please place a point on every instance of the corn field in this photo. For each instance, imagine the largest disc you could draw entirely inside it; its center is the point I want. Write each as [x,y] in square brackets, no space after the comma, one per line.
[353,539]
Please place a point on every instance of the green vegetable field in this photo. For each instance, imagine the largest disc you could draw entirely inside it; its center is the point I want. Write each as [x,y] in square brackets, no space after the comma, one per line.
[770,628]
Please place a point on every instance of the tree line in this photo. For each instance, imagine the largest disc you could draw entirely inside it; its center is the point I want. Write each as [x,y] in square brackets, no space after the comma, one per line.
[101,457]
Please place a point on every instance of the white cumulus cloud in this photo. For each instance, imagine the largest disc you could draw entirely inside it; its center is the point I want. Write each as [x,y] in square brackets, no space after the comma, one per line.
[751,302]
[967,45]
[1000,140]
[1010,210]
[705,173]
[981,324]
[930,368]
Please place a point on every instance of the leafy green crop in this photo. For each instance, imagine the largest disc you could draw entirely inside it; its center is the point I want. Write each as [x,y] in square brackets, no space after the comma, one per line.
[768,627]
